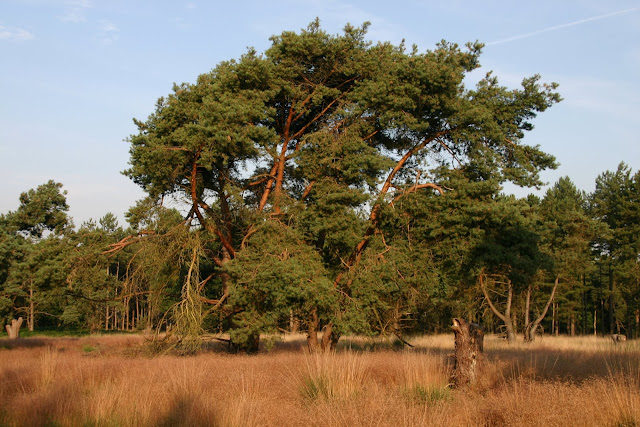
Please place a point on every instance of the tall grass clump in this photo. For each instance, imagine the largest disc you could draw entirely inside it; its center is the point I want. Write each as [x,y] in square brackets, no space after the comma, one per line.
[424,378]
[333,376]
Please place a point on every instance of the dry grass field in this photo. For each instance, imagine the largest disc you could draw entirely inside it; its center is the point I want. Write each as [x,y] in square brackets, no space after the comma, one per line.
[113,381]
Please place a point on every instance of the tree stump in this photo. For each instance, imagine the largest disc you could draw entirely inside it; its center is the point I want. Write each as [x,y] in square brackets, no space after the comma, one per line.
[469,341]
[14,329]
[618,338]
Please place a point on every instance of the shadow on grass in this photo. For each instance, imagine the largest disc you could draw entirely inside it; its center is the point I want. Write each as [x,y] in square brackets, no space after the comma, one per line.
[10,344]
[185,412]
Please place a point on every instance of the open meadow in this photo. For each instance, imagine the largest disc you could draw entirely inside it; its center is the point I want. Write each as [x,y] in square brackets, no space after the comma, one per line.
[113,380]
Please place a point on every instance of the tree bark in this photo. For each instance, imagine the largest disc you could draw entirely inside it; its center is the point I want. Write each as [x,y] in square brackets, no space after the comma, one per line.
[294,323]
[527,308]
[506,316]
[13,330]
[572,324]
[553,318]
[329,338]
[611,308]
[469,345]
[106,314]
[530,329]
[312,332]
[31,307]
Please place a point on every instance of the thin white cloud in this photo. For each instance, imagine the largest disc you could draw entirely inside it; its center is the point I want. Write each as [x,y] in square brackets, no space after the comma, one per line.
[80,3]
[191,5]
[569,24]
[73,16]
[76,11]
[109,27]
[15,34]
[109,32]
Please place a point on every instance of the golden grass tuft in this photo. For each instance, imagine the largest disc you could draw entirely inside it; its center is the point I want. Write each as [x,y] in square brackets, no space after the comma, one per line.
[108,380]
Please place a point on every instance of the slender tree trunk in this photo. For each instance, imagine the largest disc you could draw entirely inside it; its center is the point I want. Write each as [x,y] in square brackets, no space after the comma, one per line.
[294,323]
[31,307]
[106,314]
[611,308]
[595,321]
[584,305]
[572,323]
[527,306]
[603,314]
[553,318]
[114,312]
[127,313]
[150,312]
[312,332]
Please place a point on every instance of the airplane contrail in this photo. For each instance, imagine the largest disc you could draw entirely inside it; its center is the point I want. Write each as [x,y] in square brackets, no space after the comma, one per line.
[569,24]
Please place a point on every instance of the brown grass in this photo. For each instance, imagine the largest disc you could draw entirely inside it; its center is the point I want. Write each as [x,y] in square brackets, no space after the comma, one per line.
[109,381]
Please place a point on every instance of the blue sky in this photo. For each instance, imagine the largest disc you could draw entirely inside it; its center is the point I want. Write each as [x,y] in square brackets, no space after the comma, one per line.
[73,74]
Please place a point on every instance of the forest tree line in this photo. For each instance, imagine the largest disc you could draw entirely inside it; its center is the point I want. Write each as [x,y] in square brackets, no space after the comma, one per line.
[332,184]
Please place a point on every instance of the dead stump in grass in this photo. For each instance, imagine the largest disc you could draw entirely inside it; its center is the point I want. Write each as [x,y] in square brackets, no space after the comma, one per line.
[618,338]
[469,340]
[13,330]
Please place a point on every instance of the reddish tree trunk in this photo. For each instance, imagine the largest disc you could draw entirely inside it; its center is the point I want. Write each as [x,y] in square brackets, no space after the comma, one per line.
[329,338]
[312,332]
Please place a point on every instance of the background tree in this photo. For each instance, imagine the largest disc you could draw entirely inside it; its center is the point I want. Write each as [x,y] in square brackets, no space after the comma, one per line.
[34,263]
[615,203]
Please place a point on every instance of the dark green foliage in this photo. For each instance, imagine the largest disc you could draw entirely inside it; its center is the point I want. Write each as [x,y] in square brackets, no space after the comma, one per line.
[616,204]
[333,182]
[317,136]
[276,276]
[40,210]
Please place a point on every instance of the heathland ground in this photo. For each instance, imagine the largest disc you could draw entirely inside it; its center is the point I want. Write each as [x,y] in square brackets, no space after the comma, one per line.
[115,380]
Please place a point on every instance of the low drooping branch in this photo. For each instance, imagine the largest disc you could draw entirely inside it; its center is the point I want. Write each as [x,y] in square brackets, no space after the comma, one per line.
[129,240]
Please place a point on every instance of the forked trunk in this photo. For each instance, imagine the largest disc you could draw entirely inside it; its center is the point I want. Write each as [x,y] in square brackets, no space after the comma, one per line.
[506,317]
[530,329]
[13,330]
[329,338]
